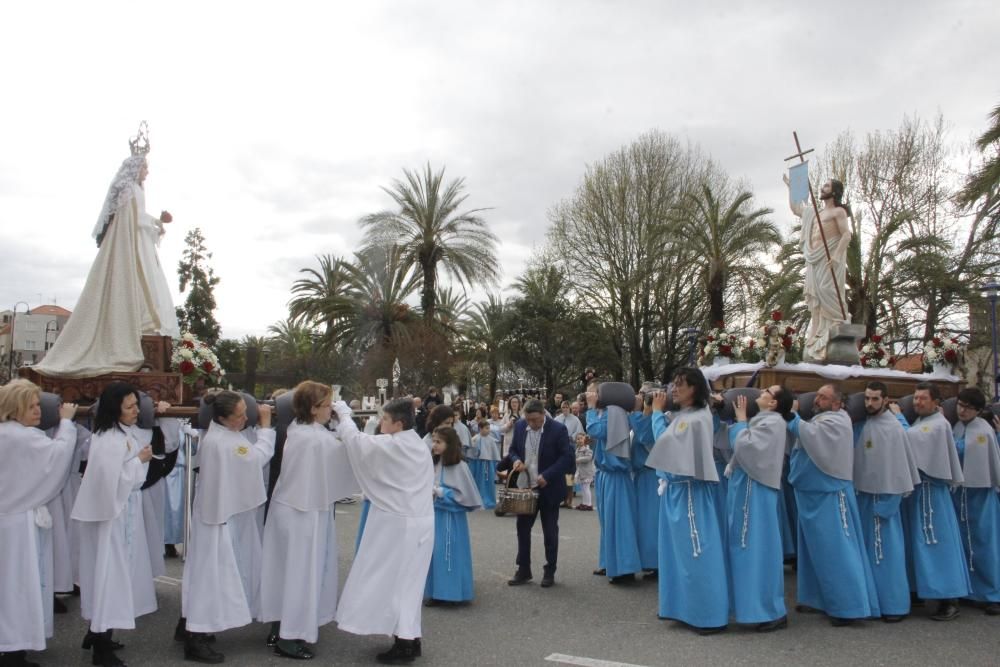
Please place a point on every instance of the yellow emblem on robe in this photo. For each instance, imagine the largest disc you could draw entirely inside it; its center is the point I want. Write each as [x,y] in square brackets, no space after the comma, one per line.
[869,444]
[242,450]
[925,429]
[682,426]
[981,439]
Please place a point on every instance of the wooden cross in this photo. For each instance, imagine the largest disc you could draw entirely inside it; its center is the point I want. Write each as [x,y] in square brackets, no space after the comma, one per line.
[812,198]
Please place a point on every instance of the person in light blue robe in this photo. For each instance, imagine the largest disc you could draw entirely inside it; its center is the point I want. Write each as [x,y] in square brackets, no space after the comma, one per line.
[885,470]
[483,457]
[977,502]
[618,558]
[173,509]
[787,513]
[936,560]
[834,574]
[756,558]
[449,578]
[647,514]
[693,575]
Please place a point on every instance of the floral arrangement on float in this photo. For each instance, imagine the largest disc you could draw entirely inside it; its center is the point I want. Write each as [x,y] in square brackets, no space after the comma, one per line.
[875,354]
[943,353]
[777,337]
[720,346]
[196,361]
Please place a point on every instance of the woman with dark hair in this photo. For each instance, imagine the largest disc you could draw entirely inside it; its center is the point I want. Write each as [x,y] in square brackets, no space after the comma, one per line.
[693,577]
[756,555]
[455,493]
[514,408]
[116,578]
[34,469]
[299,583]
[221,582]
[441,415]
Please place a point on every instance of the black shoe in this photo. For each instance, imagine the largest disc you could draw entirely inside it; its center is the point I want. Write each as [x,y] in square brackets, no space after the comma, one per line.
[915,601]
[16,659]
[839,622]
[170,551]
[103,655]
[196,649]
[992,609]
[806,609]
[403,651]
[416,648]
[771,626]
[292,648]
[548,579]
[519,578]
[652,575]
[272,636]
[76,591]
[622,578]
[431,602]
[947,611]
[58,606]
[180,630]
[92,638]
[601,573]
[893,618]
[704,632]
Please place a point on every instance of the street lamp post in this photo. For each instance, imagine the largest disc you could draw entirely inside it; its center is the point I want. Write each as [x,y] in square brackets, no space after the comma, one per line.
[13,332]
[55,328]
[991,291]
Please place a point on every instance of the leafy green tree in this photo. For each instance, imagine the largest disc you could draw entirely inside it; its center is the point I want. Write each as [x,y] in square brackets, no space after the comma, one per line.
[433,235]
[486,337]
[728,237]
[197,315]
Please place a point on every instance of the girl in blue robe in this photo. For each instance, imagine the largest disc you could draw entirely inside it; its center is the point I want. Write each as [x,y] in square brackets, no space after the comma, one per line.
[484,466]
[693,575]
[449,578]
[616,505]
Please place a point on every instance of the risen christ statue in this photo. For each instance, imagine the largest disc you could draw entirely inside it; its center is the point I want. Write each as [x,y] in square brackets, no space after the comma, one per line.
[821,285]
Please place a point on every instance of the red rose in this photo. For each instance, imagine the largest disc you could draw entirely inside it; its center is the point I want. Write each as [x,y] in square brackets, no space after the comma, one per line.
[879,353]
[876,338]
[776,315]
[188,344]
[789,331]
[710,338]
[937,342]
[725,350]
[752,344]
[892,361]
[207,366]
[955,341]
[786,342]
[951,356]
[186,367]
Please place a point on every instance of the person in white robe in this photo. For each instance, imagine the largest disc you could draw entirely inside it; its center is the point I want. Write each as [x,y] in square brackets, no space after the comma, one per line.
[384,589]
[299,581]
[217,593]
[34,468]
[116,579]
[126,293]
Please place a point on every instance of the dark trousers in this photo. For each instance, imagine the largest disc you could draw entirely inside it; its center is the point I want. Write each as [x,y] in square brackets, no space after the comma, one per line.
[549,509]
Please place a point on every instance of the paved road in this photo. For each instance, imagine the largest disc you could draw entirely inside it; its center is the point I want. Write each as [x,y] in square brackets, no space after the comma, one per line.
[581,616]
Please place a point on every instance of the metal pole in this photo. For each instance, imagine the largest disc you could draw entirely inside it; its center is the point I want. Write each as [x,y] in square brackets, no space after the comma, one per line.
[993,322]
[188,489]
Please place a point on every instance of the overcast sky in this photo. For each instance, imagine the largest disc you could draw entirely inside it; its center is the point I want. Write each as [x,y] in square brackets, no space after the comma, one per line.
[274,125]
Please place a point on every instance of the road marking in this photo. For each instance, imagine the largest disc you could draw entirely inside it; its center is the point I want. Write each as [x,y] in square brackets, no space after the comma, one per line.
[169,581]
[586,662]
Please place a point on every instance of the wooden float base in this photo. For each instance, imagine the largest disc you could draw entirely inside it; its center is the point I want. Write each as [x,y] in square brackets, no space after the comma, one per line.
[803,381]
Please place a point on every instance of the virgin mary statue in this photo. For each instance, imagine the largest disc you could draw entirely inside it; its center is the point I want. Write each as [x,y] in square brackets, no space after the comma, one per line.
[126,293]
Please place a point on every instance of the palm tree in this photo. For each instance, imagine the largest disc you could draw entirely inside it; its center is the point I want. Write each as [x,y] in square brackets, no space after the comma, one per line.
[381,285]
[433,235]
[452,307]
[984,184]
[324,297]
[485,336]
[728,237]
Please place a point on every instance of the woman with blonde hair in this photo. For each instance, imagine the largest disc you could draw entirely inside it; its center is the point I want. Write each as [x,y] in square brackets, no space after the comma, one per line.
[34,471]
[299,582]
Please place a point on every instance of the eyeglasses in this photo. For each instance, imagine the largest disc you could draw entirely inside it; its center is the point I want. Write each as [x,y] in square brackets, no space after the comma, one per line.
[965,406]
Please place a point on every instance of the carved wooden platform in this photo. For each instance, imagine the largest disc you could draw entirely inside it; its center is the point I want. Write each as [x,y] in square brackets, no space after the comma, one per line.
[159,385]
[156,351]
[803,381]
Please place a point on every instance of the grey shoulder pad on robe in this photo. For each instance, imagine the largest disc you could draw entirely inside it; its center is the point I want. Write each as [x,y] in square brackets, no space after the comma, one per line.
[829,441]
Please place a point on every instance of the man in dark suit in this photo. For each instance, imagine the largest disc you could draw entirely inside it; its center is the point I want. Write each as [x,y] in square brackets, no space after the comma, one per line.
[542,454]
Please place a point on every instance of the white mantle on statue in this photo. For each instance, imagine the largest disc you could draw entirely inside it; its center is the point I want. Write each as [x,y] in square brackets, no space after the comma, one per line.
[833,372]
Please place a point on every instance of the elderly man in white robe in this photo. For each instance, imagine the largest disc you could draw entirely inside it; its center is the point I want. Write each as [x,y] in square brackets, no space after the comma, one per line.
[116,579]
[32,473]
[384,590]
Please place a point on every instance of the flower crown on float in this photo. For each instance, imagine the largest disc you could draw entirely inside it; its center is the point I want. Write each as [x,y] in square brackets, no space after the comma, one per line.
[719,342]
[873,353]
[194,360]
[943,348]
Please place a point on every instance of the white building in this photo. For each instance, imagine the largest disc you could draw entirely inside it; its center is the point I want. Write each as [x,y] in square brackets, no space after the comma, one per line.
[25,337]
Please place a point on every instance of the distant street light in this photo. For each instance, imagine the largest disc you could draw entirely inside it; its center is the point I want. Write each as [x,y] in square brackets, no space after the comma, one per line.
[13,318]
[991,291]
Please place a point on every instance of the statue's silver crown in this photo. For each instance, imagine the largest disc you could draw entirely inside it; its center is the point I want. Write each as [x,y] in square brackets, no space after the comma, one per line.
[139,144]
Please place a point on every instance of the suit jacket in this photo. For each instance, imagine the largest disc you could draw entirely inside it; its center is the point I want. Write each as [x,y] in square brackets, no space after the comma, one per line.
[556,456]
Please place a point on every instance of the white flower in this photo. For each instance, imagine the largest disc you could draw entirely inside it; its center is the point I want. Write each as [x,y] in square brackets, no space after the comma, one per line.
[186,354]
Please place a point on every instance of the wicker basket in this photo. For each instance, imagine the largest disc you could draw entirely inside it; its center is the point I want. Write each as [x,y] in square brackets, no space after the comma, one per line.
[512,500]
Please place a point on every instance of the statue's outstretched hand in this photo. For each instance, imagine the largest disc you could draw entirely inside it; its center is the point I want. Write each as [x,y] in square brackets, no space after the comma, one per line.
[784,177]
[166,217]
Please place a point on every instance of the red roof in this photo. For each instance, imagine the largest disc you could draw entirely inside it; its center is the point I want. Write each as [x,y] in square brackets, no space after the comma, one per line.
[55,311]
